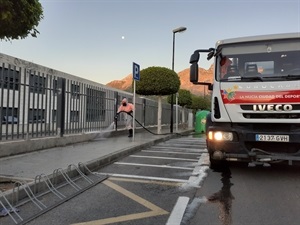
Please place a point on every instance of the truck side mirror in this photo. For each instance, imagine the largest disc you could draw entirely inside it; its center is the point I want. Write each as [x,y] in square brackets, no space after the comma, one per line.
[195,57]
[194,72]
[194,67]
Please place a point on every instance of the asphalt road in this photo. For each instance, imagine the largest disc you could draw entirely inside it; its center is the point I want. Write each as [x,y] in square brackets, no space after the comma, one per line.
[240,195]
[171,183]
[142,188]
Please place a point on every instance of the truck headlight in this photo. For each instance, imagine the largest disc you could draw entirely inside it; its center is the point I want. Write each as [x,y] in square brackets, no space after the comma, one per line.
[220,136]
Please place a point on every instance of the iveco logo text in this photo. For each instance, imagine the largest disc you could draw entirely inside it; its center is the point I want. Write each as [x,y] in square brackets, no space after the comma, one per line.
[272,107]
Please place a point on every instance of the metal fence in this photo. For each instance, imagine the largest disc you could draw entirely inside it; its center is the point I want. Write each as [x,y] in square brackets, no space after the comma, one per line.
[37,101]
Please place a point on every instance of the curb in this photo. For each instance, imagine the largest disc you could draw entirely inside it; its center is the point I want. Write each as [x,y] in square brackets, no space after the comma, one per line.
[108,159]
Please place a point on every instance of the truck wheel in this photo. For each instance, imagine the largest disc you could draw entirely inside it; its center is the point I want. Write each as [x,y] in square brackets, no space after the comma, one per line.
[215,164]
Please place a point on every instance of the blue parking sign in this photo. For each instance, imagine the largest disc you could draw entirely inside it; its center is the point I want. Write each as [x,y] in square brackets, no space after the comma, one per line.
[136,71]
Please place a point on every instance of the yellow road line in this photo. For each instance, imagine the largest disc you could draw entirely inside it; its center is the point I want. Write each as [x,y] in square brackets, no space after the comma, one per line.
[134,197]
[146,181]
[121,218]
[155,210]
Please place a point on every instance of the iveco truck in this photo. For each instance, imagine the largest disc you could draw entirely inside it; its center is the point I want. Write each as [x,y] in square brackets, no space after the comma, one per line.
[255,109]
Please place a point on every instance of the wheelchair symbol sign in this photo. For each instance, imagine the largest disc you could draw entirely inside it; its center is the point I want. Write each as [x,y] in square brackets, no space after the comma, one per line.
[136,71]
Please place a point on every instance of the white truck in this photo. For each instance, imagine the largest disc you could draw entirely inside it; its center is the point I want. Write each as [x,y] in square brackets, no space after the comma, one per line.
[255,110]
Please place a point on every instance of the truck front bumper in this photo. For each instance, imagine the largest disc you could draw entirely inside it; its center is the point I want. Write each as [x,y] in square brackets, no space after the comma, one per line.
[244,146]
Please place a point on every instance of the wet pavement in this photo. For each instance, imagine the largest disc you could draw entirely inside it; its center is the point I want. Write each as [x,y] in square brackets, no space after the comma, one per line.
[28,166]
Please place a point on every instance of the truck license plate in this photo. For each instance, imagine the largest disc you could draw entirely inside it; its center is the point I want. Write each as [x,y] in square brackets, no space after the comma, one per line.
[273,138]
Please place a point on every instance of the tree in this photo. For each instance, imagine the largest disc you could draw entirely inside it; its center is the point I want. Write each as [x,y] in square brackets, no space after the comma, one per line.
[200,102]
[158,81]
[184,100]
[19,18]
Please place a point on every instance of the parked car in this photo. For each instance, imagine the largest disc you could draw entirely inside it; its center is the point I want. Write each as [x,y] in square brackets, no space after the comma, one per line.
[9,120]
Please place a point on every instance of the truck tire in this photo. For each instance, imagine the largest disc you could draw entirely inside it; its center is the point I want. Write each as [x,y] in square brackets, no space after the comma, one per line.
[216,164]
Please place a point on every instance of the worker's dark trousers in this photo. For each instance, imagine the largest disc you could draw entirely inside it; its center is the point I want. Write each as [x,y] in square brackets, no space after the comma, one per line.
[130,133]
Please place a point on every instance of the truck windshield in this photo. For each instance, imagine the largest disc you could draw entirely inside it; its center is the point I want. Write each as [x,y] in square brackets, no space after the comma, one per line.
[259,61]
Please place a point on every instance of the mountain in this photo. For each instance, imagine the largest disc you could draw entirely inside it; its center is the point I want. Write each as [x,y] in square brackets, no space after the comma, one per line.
[204,75]
[123,84]
[184,76]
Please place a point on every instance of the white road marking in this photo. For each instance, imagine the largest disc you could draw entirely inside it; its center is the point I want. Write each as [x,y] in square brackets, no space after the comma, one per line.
[173,152]
[192,140]
[192,208]
[144,177]
[183,145]
[185,149]
[178,211]
[163,183]
[152,165]
[157,157]
[199,172]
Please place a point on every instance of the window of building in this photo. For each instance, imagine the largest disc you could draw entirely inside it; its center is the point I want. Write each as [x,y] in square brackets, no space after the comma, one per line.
[74,116]
[36,116]
[9,79]
[75,90]
[55,87]
[54,115]
[37,84]
[95,107]
[9,115]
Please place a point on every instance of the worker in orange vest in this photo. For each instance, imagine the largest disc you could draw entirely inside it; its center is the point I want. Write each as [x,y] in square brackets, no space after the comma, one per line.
[128,109]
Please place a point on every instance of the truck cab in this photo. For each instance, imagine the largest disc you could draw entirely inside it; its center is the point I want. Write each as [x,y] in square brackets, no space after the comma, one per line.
[255,111]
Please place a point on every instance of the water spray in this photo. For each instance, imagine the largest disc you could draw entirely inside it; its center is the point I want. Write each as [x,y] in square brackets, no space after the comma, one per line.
[104,133]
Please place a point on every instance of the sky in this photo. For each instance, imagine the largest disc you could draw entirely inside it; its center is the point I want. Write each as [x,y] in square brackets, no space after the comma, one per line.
[100,39]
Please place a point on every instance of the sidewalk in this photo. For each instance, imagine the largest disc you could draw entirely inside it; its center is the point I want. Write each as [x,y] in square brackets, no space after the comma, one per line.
[100,151]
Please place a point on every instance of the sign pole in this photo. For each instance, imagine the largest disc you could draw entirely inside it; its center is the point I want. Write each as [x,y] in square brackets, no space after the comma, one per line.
[136,76]
[133,132]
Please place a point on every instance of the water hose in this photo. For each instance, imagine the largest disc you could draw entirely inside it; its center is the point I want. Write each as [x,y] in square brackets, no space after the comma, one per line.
[129,113]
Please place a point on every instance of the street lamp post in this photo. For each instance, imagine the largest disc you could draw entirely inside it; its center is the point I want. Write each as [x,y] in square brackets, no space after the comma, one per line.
[177,30]
[176,113]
